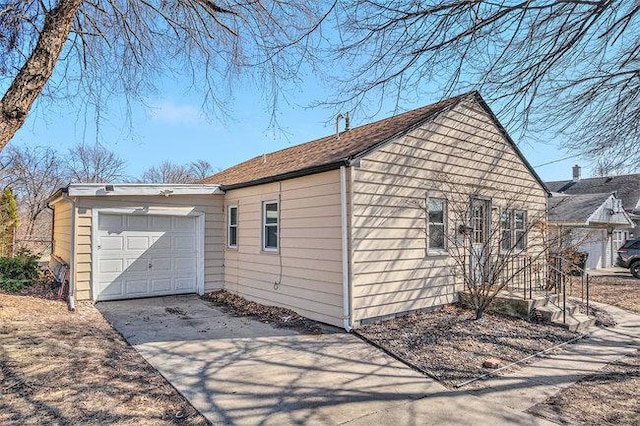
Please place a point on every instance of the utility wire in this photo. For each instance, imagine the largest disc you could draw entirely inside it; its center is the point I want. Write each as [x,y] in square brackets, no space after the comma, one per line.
[557,161]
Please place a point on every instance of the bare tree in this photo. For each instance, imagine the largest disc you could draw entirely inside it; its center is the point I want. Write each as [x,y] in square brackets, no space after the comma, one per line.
[94,164]
[99,48]
[37,173]
[201,169]
[568,66]
[168,172]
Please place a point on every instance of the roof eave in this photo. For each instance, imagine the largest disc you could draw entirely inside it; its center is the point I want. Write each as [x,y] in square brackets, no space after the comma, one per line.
[289,175]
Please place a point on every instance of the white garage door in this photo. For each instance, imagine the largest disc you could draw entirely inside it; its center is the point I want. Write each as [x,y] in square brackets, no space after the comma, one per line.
[145,255]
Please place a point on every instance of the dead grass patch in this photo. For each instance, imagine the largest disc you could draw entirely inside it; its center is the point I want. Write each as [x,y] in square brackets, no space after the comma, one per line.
[607,397]
[452,346]
[623,292]
[61,367]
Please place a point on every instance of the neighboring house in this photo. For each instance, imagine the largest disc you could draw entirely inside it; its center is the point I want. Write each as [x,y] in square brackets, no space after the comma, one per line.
[603,245]
[588,223]
[334,229]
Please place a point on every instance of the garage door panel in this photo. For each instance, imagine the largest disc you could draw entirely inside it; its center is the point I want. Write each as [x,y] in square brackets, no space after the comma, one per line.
[111,266]
[137,242]
[185,242]
[113,290]
[137,287]
[161,222]
[186,284]
[128,245]
[138,223]
[184,224]
[111,242]
[159,242]
[183,264]
[140,266]
[110,222]
[161,265]
[161,285]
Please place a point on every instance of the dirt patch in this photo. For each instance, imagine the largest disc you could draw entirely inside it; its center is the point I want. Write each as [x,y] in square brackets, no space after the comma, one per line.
[274,315]
[623,292]
[452,346]
[61,367]
[607,397]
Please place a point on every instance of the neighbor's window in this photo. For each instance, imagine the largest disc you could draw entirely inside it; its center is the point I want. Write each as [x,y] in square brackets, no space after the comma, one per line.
[232,234]
[513,224]
[270,226]
[436,225]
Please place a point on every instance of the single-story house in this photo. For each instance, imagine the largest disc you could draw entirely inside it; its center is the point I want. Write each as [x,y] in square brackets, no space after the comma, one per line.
[588,223]
[601,245]
[344,229]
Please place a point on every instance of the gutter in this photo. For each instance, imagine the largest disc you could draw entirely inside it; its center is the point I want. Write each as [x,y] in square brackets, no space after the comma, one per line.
[346,295]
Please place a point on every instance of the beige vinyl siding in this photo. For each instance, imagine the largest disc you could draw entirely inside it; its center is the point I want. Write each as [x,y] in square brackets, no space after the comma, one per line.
[463,151]
[211,205]
[62,231]
[308,265]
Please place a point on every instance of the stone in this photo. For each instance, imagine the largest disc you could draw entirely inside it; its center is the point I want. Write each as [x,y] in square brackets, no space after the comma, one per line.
[491,363]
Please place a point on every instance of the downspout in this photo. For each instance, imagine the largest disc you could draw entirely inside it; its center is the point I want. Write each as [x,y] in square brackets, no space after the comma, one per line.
[72,261]
[346,299]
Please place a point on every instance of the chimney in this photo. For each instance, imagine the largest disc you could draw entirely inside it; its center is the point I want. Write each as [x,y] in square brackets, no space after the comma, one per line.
[576,173]
[347,122]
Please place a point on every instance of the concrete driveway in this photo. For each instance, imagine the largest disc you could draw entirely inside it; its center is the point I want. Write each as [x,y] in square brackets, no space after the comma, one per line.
[241,371]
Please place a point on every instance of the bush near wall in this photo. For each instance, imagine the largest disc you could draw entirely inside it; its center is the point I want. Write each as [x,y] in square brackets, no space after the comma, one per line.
[18,271]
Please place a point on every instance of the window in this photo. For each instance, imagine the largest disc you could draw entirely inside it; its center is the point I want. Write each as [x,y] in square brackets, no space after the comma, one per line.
[436,224]
[519,220]
[270,226]
[513,224]
[232,222]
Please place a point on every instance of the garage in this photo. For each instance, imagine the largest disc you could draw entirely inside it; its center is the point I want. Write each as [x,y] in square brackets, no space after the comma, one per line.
[145,255]
[129,241]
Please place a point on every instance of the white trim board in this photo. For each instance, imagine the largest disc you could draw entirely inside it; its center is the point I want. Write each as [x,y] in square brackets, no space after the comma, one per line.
[147,189]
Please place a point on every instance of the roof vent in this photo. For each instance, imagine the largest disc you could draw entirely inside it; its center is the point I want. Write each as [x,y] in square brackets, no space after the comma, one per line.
[576,173]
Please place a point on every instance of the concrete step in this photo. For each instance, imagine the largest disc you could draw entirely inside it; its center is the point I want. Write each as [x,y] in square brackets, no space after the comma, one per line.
[576,322]
[553,313]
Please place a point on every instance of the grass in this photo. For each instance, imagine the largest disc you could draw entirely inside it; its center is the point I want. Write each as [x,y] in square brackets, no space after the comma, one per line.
[61,367]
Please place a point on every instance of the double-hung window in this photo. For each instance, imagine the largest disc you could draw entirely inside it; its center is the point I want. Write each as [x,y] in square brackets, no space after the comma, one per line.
[513,224]
[436,216]
[232,224]
[270,222]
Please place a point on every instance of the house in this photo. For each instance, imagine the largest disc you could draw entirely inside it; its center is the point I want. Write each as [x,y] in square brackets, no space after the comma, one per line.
[589,223]
[344,229]
[601,245]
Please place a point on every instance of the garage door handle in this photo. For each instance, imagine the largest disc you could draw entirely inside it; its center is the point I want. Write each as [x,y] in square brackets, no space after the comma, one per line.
[150,266]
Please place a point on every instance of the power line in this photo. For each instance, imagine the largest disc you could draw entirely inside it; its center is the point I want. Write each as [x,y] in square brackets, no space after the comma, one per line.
[557,161]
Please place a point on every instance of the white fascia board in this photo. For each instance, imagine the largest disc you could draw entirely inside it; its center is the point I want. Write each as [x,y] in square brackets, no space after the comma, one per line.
[148,189]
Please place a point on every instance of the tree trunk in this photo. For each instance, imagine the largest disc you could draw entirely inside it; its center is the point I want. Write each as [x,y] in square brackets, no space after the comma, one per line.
[35,73]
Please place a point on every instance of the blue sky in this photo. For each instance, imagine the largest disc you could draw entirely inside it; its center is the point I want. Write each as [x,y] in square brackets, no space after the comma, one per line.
[175,128]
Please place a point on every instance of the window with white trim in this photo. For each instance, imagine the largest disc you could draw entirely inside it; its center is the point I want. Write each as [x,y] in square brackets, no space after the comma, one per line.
[232,227]
[270,224]
[513,224]
[436,218]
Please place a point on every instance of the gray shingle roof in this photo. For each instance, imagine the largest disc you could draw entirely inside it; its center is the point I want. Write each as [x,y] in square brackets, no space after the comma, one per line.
[574,208]
[626,186]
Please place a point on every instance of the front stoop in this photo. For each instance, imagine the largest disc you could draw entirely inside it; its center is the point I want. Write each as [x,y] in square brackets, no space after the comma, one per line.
[574,320]
[543,306]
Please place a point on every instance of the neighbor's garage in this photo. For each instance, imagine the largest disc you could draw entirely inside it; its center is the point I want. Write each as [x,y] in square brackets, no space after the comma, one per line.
[138,240]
